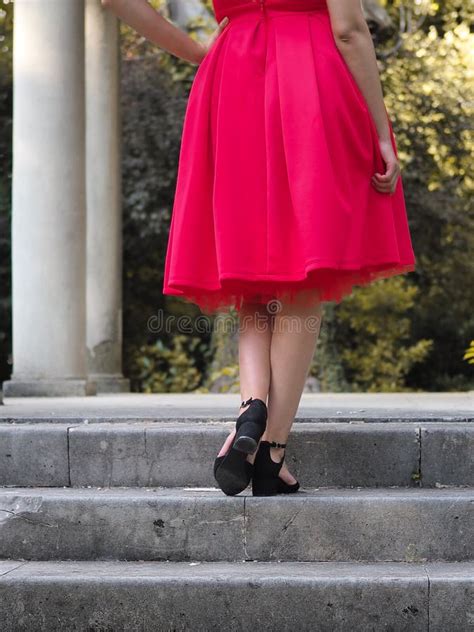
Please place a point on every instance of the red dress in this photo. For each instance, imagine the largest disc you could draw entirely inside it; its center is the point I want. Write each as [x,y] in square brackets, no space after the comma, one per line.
[273,191]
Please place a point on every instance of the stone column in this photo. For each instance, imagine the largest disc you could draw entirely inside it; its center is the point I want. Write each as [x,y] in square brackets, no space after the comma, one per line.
[104,212]
[48,225]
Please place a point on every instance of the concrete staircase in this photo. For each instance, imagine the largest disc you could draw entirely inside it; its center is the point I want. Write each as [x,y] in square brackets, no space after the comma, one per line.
[109,518]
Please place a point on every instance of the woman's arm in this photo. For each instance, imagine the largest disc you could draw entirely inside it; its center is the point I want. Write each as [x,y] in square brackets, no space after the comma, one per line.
[141,16]
[354,41]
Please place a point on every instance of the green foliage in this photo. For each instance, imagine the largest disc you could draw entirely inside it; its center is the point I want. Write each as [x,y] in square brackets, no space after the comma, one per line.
[469,355]
[429,92]
[224,380]
[376,323]
[222,374]
[155,87]
[158,368]
[328,366]
[6,37]
[153,109]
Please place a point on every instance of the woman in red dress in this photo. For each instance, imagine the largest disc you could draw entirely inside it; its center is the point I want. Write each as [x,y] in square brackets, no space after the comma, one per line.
[288,195]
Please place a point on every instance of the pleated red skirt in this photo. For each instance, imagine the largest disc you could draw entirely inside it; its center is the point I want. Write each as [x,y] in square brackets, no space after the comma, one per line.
[273,191]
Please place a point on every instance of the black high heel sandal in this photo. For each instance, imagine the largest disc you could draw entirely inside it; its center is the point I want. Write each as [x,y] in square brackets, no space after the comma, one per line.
[265,479]
[232,471]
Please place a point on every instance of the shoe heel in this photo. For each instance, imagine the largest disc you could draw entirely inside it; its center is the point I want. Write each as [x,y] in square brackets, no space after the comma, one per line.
[250,426]
[247,437]
[232,472]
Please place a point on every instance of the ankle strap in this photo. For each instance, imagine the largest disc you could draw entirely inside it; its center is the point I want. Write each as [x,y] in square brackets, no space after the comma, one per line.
[250,400]
[274,444]
[243,404]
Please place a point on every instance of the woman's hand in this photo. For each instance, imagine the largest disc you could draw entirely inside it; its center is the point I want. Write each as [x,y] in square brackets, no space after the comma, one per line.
[387,182]
[150,24]
[206,46]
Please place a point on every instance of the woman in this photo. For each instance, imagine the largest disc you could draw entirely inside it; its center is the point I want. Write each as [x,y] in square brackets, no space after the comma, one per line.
[288,194]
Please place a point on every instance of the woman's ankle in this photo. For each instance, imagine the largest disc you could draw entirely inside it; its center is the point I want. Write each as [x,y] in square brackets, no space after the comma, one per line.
[271,437]
[277,454]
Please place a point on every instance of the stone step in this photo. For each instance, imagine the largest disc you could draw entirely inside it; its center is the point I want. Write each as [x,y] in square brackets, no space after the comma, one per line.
[406,525]
[182,454]
[179,416]
[206,597]
[331,407]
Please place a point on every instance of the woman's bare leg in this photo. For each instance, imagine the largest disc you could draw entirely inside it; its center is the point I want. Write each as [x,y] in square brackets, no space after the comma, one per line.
[296,328]
[254,358]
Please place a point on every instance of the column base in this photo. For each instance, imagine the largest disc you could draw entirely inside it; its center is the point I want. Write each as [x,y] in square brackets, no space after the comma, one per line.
[111,383]
[48,388]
